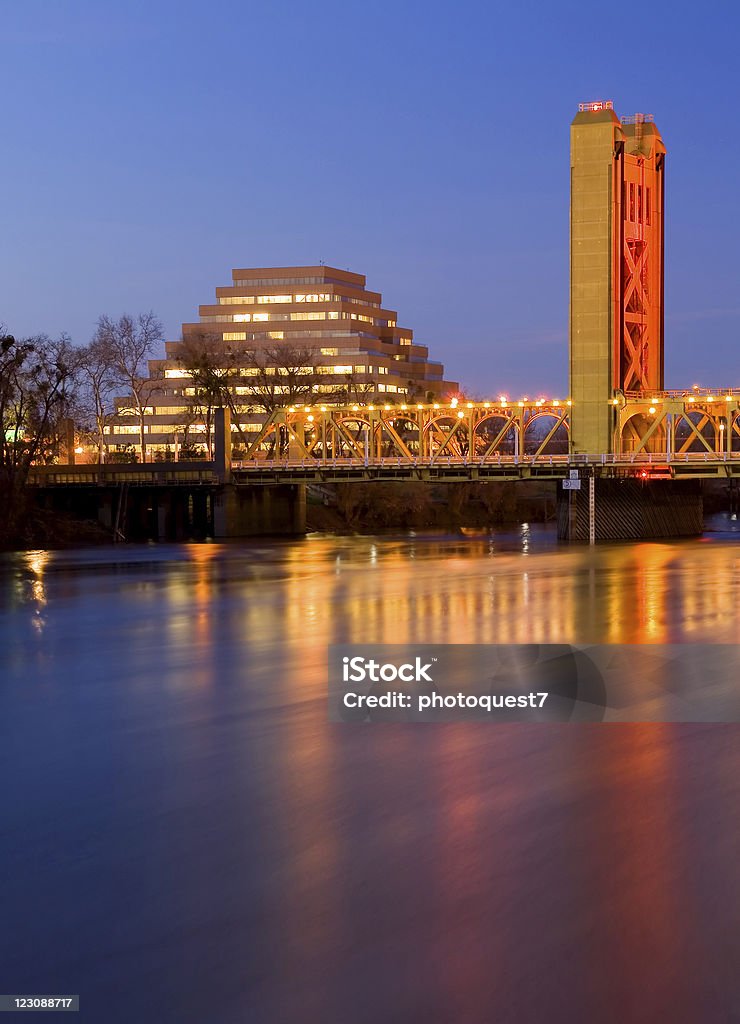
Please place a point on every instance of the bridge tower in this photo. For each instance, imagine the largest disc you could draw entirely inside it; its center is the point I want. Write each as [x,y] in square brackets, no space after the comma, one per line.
[616,267]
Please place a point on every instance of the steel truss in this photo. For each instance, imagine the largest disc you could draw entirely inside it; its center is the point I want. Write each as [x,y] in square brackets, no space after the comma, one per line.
[476,431]
[656,427]
[677,425]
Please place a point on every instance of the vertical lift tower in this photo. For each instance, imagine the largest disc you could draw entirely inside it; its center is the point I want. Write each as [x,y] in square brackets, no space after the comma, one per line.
[616,321]
[616,267]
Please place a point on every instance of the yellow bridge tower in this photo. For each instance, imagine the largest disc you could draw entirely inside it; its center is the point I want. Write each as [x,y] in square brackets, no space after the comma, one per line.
[616,268]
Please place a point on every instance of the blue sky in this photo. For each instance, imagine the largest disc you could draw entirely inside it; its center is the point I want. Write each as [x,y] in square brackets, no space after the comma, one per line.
[148,148]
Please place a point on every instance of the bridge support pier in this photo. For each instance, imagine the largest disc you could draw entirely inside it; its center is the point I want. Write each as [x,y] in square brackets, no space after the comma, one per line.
[241,511]
[631,509]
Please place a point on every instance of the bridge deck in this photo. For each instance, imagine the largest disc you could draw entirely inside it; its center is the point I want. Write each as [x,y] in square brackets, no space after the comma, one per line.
[444,468]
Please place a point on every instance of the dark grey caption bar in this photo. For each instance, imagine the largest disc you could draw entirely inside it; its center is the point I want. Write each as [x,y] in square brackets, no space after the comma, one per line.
[506,683]
[26,1003]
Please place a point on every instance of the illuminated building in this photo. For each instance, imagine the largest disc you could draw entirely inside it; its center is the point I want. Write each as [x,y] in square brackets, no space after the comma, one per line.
[319,322]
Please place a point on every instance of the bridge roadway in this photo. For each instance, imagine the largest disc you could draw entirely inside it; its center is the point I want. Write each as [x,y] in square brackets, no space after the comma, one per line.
[445,468]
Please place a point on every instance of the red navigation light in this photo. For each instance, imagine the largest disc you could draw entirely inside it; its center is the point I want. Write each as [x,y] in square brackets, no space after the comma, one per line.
[596,105]
[643,474]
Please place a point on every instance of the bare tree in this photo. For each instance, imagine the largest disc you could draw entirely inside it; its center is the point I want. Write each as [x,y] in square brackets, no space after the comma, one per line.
[355,390]
[285,375]
[131,341]
[214,367]
[36,380]
[100,379]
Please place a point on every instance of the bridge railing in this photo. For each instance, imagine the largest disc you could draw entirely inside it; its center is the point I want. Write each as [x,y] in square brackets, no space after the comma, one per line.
[573,460]
[117,473]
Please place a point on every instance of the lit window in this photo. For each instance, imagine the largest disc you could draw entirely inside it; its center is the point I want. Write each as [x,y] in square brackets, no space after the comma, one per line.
[175,373]
[330,351]
[241,318]
[308,316]
[261,317]
[276,335]
[341,369]
[274,298]
[235,336]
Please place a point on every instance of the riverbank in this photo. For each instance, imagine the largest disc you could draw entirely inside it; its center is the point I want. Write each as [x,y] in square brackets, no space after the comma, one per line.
[44,529]
[372,507]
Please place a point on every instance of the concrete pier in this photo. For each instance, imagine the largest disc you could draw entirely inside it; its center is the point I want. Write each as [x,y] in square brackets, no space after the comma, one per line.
[632,509]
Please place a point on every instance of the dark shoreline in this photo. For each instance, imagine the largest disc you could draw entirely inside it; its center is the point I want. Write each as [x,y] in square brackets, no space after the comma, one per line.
[356,509]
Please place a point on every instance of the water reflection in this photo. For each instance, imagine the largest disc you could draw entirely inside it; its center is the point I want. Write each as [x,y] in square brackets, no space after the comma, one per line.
[174,773]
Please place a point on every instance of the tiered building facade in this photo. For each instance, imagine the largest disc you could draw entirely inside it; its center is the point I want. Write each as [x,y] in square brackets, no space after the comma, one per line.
[318,327]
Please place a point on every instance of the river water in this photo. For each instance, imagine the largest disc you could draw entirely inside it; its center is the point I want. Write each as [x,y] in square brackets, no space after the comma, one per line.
[184,837]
